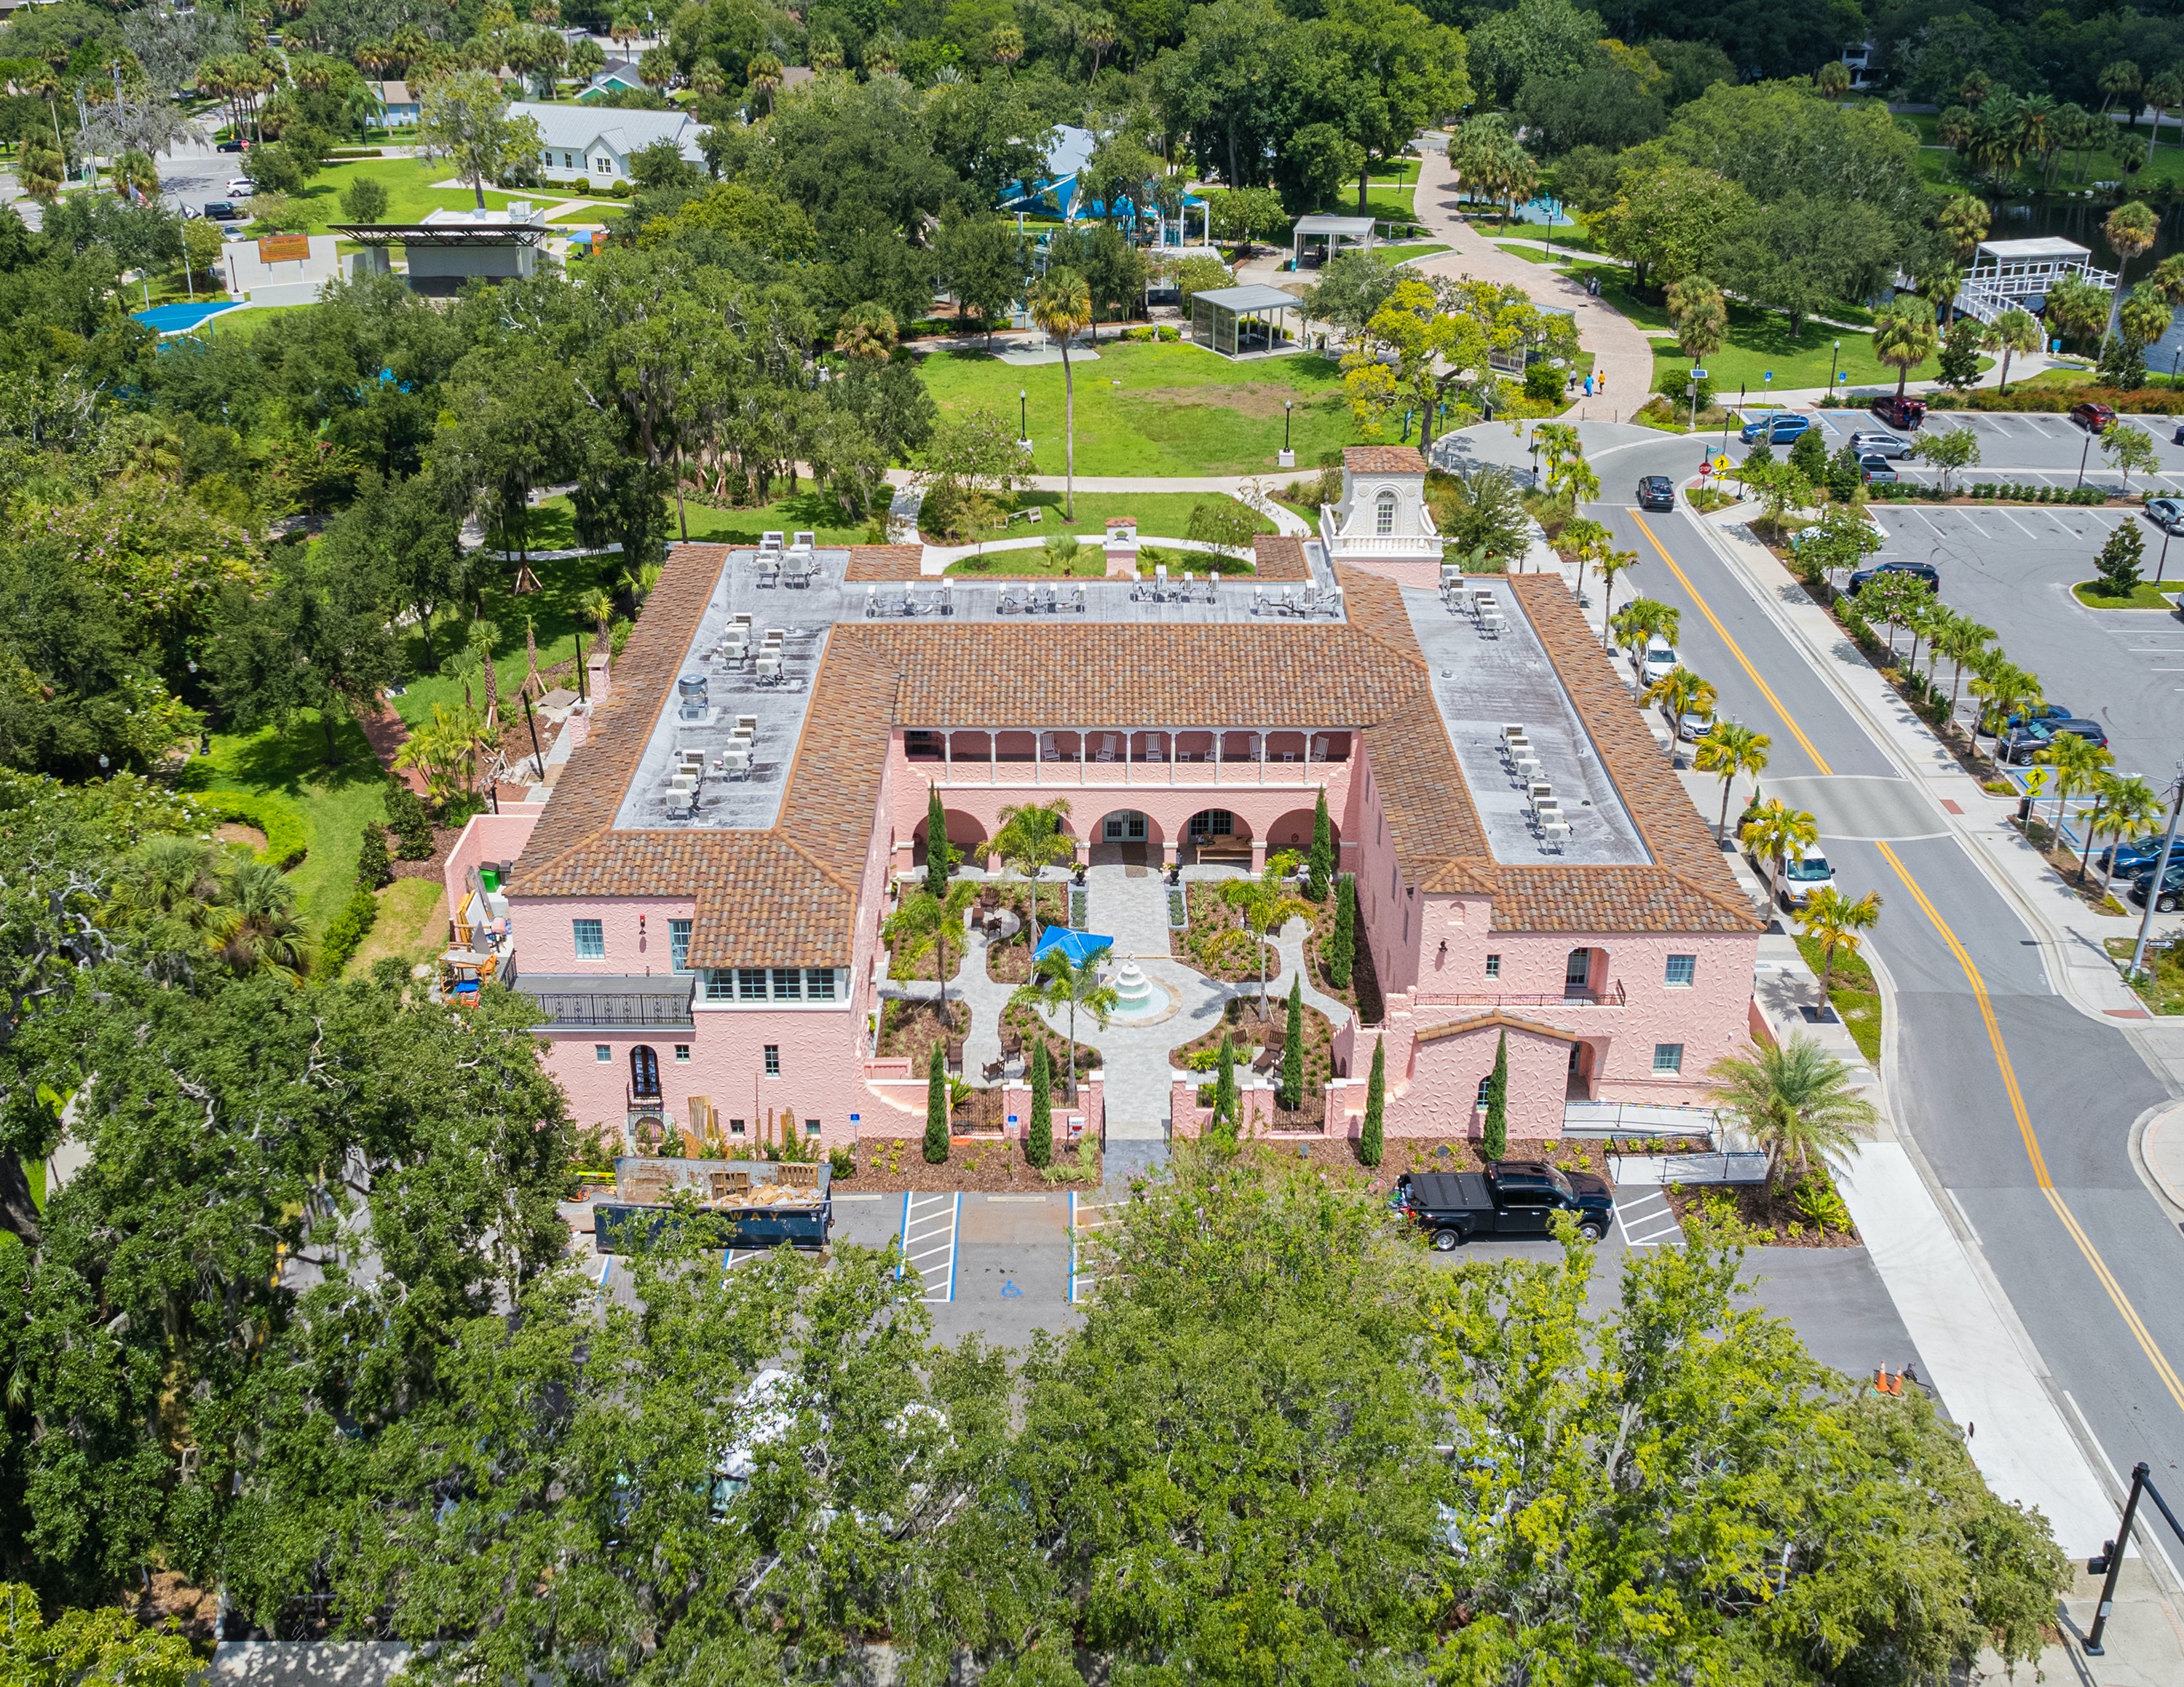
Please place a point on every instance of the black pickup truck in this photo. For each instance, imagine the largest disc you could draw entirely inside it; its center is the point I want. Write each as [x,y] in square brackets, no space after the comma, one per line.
[1510,1197]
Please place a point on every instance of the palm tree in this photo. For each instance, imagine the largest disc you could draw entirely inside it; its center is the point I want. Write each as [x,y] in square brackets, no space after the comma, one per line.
[1730,748]
[2131,229]
[254,928]
[1265,906]
[1678,692]
[1795,1100]
[597,605]
[1699,316]
[1960,640]
[1939,284]
[1835,921]
[1635,623]
[2014,331]
[2134,808]
[1776,830]
[1965,219]
[1832,79]
[2077,763]
[765,73]
[1610,564]
[1586,540]
[1904,337]
[922,922]
[1064,985]
[1061,305]
[2004,686]
[172,875]
[2119,78]
[1031,837]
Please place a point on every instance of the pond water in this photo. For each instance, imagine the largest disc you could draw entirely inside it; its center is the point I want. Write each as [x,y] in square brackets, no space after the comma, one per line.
[2080,219]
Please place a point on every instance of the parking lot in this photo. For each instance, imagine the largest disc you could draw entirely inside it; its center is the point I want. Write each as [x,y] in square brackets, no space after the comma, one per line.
[2012,569]
[1005,1266]
[2041,450]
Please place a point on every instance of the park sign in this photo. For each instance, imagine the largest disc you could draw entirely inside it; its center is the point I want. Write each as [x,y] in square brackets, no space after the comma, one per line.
[284,248]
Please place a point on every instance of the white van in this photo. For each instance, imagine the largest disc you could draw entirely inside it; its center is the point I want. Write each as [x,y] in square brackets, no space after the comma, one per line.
[1803,874]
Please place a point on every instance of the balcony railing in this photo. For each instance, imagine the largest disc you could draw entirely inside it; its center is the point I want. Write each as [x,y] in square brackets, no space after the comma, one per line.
[1612,996]
[622,1010]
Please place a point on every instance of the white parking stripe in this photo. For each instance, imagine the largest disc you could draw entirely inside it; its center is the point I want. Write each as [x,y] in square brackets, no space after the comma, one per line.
[929,1224]
[1647,1221]
[2016,524]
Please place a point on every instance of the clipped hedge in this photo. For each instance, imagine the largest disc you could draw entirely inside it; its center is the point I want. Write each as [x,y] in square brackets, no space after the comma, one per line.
[345,934]
[288,834]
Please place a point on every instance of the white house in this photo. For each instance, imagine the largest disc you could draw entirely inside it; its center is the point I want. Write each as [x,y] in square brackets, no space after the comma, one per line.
[397,106]
[1383,523]
[585,143]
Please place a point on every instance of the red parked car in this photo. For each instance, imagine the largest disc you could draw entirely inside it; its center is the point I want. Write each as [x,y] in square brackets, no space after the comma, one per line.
[1906,412]
[2092,417]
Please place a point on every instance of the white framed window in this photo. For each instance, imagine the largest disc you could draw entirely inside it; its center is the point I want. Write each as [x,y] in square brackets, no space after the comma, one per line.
[1683,971]
[1384,513]
[1669,1057]
[591,937]
[748,986]
[602,1054]
[1494,966]
[681,1051]
[678,944]
[1484,1084]
[773,1060]
[812,1128]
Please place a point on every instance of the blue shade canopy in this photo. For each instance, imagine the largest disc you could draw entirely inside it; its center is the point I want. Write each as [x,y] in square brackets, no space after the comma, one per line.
[1079,946]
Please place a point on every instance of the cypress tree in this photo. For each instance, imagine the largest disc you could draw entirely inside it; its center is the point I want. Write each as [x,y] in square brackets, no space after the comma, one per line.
[1497,1103]
[1319,866]
[1342,946]
[939,857]
[1038,1135]
[936,1110]
[1293,1048]
[1224,1088]
[1370,1143]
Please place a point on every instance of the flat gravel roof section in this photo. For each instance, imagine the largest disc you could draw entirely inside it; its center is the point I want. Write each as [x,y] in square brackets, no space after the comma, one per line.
[1479,683]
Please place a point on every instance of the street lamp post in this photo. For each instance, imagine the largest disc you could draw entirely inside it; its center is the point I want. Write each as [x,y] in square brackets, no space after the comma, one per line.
[1023,417]
[2161,566]
[2082,455]
[1288,458]
[1832,357]
[2160,872]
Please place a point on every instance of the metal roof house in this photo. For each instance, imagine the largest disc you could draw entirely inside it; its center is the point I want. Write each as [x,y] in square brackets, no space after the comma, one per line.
[590,144]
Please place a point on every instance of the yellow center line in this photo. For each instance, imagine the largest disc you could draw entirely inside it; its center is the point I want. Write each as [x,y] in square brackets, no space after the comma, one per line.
[2026,1134]
[1750,672]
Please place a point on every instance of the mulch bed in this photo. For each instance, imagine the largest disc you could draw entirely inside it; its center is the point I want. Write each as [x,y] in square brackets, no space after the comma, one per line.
[912,1027]
[1245,1028]
[1338,1157]
[1210,919]
[2066,865]
[1768,1219]
[1009,960]
[1031,1029]
[983,1165]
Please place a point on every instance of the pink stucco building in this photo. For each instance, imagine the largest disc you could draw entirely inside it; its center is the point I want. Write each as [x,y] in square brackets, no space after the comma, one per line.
[697,911]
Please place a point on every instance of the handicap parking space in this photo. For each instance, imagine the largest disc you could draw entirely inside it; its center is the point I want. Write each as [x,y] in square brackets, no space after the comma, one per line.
[1010,1276]
[1643,1218]
[929,1227]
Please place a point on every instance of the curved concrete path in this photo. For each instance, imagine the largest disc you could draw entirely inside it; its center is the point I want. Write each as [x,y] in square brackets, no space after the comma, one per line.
[1621,353]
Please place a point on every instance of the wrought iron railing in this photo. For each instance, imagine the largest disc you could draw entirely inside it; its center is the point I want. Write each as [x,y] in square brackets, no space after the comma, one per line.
[574,1008]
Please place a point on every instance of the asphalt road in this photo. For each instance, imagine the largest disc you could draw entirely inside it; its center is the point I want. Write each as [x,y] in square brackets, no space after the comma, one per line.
[2089,1261]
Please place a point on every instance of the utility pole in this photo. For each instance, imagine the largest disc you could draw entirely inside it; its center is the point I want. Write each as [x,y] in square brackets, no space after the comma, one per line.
[2160,872]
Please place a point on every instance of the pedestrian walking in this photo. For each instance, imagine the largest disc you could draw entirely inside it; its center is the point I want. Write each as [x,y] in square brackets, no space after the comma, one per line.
[1600,382]
[1588,386]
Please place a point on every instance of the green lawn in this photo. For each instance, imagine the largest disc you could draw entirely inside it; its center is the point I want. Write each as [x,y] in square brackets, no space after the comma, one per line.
[1533,254]
[1938,163]
[1402,251]
[1855,997]
[1159,409]
[2147,596]
[1760,341]
[411,927]
[288,772]
[409,190]
[1390,192]
[1159,514]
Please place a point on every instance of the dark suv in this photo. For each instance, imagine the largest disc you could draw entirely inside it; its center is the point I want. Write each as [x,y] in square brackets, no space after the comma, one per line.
[1918,571]
[1657,492]
[2024,743]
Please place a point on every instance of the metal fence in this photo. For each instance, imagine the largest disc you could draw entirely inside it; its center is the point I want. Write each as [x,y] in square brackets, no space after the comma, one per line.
[1636,1118]
[600,1007]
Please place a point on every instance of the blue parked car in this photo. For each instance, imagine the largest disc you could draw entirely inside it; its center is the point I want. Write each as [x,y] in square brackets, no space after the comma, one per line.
[1780,428]
[2042,711]
[2132,859]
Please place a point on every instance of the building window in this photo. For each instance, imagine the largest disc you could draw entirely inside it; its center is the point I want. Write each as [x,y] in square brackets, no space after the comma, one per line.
[602,1053]
[1683,969]
[773,1060]
[812,1128]
[678,944]
[751,983]
[1384,513]
[788,983]
[568,160]
[1494,966]
[818,984]
[1669,1057]
[645,1072]
[681,1051]
[591,939]
[1484,1084]
[735,1127]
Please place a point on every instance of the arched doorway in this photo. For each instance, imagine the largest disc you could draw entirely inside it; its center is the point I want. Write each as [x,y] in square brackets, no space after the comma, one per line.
[966,837]
[644,1073]
[1217,836]
[1129,837]
[1293,830]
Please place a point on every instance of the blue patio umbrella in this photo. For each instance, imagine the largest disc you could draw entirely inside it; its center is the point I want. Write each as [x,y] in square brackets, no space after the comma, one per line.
[1079,946]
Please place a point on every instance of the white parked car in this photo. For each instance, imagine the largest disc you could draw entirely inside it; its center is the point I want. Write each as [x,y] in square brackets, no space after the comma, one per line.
[1658,661]
[240,187]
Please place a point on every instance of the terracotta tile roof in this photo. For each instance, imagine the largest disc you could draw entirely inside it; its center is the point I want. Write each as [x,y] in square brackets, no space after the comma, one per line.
[787,896]
[885,562]
[1675,835]
[1383,459]
[1277,558]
